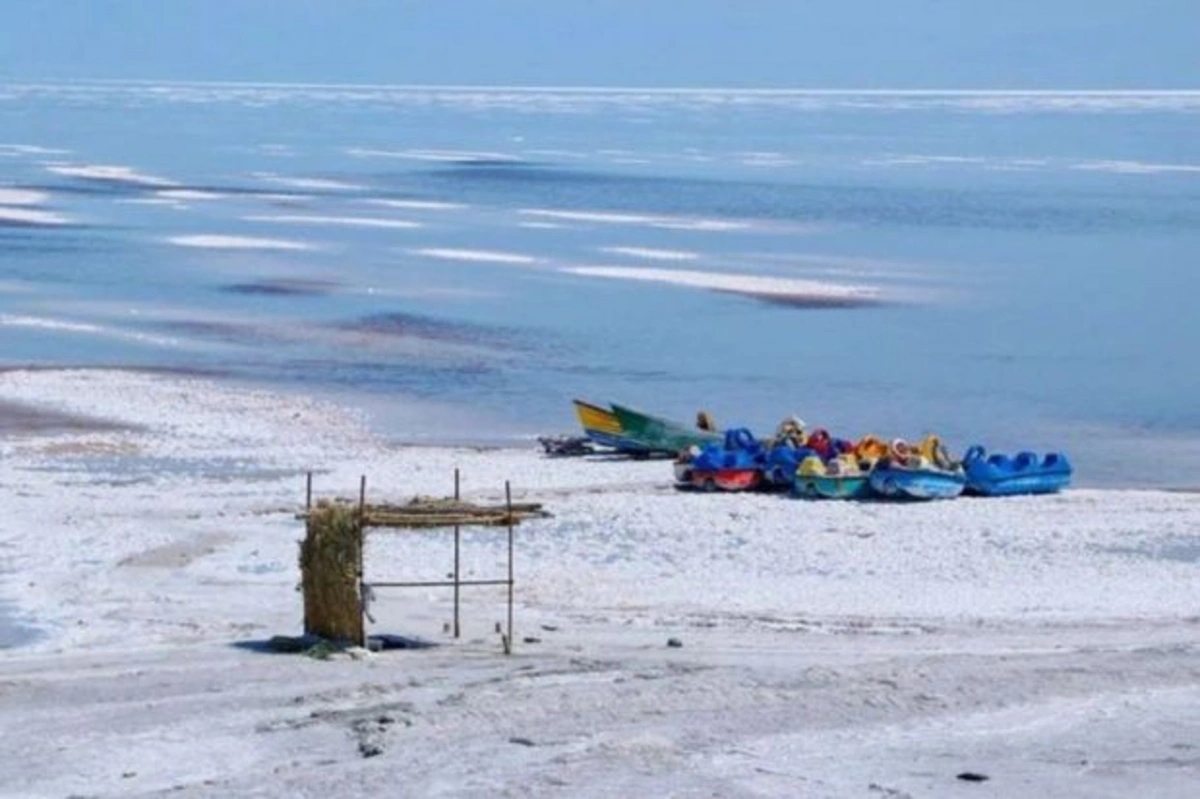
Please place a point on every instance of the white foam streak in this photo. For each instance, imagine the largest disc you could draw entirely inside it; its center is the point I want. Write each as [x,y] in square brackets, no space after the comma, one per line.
[757,285]
[65,326]
[31,216]
[161,202]
[30,149]
[450,156]
[345,221]
[190,194]
[542,225]
[22,197]
[108,174]
[621,218]
[417,205]
[313,184]
[1136,167]
[220,242]
[652,254]
[480,256]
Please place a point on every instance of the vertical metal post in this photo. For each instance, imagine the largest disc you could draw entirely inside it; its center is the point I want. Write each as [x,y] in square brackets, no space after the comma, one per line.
[362,512]
[307,534]
[508,510]
[457,535]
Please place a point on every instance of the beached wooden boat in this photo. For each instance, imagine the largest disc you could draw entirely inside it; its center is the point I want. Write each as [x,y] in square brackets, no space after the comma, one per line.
[660,435]
[601,425]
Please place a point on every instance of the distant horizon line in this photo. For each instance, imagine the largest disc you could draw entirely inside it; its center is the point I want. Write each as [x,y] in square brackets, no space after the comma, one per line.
[546,88]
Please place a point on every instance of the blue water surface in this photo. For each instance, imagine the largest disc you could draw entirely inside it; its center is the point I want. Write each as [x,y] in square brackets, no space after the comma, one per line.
[1032,255]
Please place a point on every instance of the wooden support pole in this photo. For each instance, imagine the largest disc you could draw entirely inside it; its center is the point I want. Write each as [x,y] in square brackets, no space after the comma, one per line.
[457,540]
[508,505]
[362,512]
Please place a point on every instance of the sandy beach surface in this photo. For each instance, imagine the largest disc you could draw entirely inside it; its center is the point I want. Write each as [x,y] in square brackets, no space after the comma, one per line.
[148,544]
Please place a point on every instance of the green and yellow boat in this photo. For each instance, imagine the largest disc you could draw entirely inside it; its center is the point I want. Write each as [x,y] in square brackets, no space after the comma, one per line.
[601,426]
[657,435]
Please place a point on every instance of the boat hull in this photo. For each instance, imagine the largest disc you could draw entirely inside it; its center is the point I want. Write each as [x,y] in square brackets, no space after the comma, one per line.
[816,486]
[1014,485]
[917,483]
[660,435]
[602,426]
[999,475]
[725,479]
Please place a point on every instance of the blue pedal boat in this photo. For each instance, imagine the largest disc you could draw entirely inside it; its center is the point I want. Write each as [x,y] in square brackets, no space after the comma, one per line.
[922,481]
[1025,473]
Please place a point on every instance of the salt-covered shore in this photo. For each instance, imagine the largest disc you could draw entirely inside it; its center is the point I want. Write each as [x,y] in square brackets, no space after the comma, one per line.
[829,649]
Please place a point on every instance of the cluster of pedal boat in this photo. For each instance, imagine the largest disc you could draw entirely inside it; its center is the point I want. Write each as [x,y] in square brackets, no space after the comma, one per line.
[816,464]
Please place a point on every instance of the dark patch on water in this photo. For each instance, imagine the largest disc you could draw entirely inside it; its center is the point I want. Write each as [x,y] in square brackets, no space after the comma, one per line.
[1030,209]
[224,332]
[282,287]
[408,325]
[443,382]
[7,224]
[808,301]
[28,240]
[102,187]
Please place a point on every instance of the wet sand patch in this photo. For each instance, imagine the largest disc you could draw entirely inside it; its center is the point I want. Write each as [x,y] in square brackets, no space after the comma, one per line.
[178,554]
[12,632]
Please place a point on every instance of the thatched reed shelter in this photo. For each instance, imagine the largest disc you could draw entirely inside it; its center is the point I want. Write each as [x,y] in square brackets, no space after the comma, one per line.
[330,572]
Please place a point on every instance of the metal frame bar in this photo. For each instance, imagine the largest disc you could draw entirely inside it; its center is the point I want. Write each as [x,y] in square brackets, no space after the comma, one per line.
[456,583]
[436,583]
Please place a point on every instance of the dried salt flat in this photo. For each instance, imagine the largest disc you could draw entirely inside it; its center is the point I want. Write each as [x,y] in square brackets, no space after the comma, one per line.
[838,649]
